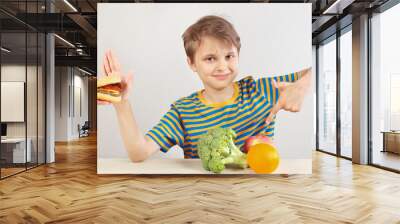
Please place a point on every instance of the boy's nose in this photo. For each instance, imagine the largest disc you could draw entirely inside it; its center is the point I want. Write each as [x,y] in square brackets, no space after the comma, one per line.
[222,65]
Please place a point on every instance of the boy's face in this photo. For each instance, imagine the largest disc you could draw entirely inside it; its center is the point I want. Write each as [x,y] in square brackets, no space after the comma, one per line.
[216,63]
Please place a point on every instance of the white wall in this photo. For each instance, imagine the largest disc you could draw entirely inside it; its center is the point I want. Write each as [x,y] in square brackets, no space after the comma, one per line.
[12,73]
[276,39]
[68,82]
[79,117]
[34,124]
[61,103]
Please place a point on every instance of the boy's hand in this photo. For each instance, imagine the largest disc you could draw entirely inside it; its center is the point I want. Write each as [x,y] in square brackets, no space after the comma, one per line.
[103,102]
[111,66]
[291,95]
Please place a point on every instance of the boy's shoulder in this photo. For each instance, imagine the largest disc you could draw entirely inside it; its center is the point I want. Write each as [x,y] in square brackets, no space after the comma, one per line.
[248,83]
[186,101]
[247,80]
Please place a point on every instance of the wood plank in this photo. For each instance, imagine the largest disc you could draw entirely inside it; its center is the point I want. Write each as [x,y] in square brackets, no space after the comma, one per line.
[70,191]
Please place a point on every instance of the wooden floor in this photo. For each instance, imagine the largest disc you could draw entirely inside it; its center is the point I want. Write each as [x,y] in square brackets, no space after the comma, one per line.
[70,191]
[387,159]
[5,172]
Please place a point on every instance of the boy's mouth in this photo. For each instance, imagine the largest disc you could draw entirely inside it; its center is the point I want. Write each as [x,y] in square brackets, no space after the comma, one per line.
[221,76]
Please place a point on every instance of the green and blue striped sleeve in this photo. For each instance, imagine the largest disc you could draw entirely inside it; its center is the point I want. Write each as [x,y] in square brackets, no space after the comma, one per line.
[169,131]
[265,85]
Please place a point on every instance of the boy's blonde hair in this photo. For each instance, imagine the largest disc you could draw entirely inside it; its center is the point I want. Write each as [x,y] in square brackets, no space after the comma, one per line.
[213,26]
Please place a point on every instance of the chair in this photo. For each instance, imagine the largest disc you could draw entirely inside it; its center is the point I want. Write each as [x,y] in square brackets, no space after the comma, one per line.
[84,130]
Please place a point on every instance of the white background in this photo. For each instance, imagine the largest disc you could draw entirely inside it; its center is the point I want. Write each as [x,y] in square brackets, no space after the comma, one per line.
[276,40]
[12,101]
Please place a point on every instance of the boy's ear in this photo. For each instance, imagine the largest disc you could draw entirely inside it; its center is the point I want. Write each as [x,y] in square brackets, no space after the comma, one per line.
[191,65]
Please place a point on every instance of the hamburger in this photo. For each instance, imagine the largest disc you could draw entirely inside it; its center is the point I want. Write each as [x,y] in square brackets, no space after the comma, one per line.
[109,88]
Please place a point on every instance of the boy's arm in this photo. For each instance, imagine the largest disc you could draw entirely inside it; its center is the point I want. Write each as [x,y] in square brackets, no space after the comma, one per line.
[139,147]
[291,95]
[166,134]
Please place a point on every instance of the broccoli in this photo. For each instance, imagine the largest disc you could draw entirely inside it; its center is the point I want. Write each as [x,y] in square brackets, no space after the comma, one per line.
[216,149]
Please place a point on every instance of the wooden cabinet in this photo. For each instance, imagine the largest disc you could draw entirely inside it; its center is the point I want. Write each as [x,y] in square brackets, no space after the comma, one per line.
[391,141]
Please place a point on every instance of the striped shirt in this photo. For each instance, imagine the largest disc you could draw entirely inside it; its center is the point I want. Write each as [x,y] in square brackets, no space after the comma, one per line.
[246,112]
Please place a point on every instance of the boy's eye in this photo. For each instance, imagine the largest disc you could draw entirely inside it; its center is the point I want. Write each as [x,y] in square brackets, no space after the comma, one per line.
[210,59]
[230,56]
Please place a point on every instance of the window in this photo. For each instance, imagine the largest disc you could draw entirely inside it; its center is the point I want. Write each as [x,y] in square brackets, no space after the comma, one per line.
[327,97]
[395,102]
[22,74]
[346,94]
[385,89]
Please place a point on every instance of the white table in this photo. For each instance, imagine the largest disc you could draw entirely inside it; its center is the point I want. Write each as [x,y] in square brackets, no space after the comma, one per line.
[19,149]
[189,166]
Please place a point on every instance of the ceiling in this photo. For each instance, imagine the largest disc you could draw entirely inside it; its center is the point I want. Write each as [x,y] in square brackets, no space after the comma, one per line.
[76,22]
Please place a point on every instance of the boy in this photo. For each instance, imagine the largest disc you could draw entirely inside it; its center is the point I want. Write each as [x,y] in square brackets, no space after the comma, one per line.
[247,106]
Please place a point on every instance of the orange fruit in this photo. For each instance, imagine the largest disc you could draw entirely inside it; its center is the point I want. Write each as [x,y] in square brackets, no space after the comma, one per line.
[263,158]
